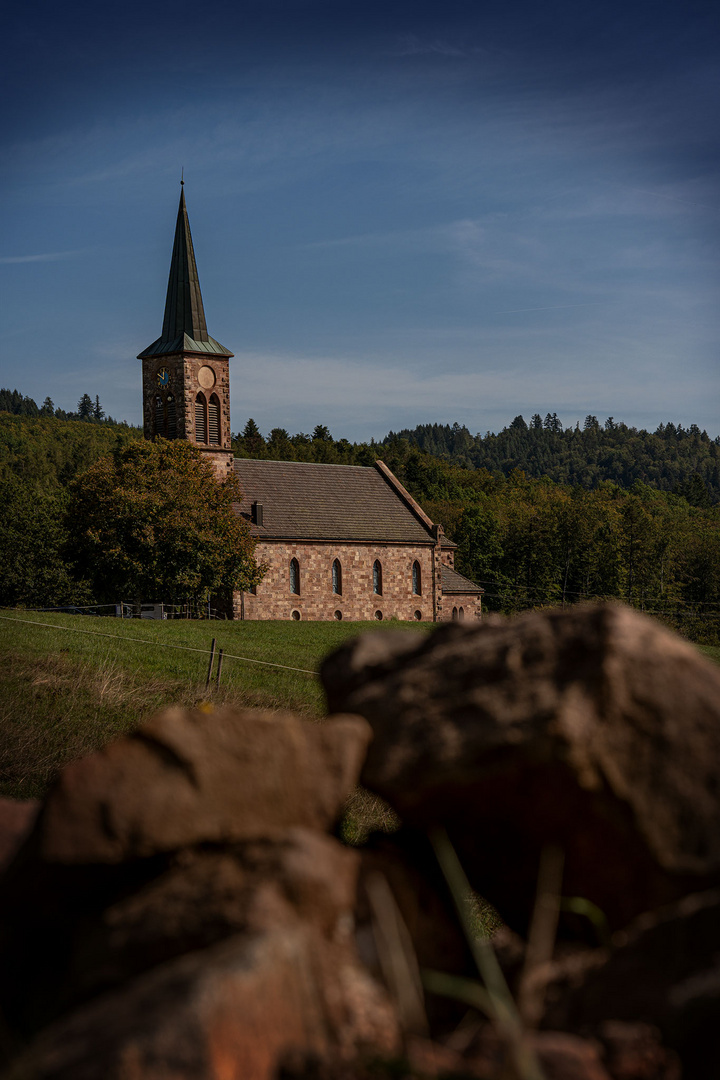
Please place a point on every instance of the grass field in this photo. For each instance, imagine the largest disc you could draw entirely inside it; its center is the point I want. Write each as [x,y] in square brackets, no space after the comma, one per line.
[713,651]
[70,683]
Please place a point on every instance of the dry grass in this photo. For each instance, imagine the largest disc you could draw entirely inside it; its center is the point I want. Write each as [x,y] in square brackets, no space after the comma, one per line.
[54,709]
[57,708]
[366,813]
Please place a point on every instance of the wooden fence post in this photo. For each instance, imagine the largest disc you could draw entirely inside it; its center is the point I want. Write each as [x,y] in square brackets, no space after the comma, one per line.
[219,668]
[210,665]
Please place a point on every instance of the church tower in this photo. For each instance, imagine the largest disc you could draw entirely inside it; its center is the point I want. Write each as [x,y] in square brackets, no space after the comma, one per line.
[186,373]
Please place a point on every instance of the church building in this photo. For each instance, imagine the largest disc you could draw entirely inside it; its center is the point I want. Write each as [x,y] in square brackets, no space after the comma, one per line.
[339,541]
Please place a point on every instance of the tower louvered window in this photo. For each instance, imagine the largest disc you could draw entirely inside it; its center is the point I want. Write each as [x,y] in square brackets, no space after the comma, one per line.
[171,417]
[200,419]
[159,417]
[214,421]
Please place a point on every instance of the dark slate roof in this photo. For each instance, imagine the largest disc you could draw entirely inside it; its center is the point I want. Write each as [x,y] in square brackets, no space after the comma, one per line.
[184,326]
[453,583]
[308,501]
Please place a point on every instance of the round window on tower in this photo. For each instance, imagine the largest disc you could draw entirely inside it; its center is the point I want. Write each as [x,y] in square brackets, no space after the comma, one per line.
[206,377]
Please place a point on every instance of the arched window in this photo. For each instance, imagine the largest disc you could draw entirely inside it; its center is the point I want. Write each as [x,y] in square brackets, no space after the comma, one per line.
[416,579]
[214,421]
[337,577]
[454,614]
[200,419]
[461,615]
[295,576]
[377,578]
[170,417]
[159,417]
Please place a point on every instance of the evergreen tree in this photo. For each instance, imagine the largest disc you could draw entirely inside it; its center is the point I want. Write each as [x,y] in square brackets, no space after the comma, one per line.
[85,408]
[13,402]
[33,538]
[98,411]
[251,440]
[695,491]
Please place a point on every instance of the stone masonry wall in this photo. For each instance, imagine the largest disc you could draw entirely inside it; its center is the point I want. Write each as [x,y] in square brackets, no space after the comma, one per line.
[184,386]
[461,607]
[316,599]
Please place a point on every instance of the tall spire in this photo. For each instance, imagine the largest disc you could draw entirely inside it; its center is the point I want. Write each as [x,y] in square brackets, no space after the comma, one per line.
[184,312]
[184,327]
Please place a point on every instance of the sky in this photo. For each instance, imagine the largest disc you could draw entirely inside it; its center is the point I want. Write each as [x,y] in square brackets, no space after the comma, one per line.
[402,212]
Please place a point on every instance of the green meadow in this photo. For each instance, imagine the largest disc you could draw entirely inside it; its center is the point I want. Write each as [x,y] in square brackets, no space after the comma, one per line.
[70,683]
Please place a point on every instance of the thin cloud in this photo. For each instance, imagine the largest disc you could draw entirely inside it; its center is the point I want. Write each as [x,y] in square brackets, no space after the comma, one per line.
[46,256]
[553,307]
[410,45]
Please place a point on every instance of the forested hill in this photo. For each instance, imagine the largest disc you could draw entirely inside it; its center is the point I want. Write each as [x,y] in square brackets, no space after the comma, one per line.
[46,453]
[673,458]
[528,541]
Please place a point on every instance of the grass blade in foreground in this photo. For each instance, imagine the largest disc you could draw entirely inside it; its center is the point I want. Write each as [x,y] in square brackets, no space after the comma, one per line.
[504,1011]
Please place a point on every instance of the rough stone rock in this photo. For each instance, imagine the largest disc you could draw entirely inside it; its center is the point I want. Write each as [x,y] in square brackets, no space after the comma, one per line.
[561,1057]
[593,729]
[190,776]
[198,831]
[236,1011]
[16,821]
[664,972]
[635,1052]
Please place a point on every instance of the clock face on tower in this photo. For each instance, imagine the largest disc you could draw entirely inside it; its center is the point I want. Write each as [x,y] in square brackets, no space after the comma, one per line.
[163,377]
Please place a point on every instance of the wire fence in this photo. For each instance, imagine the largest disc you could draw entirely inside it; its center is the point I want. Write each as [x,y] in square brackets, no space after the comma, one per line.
[165,645]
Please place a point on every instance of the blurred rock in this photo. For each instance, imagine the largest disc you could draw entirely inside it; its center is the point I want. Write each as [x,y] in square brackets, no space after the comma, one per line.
[635,1052]
[593,729]
[190,776]
[233,1012]
[178,909]
[16,821]
[664,972]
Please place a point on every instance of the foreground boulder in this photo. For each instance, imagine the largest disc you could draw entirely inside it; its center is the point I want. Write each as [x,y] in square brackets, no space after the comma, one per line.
[593,729]
[16,821]
[190,776]
[664,971]
[179,908]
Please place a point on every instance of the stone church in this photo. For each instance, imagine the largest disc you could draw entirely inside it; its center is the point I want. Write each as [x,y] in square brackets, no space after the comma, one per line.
[339,541]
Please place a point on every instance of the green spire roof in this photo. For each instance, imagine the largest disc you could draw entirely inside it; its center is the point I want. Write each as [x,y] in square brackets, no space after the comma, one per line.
[184,326]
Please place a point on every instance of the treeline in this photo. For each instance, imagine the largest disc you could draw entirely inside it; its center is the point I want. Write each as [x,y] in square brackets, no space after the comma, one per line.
[88,409]
[672,458]
[533,542]
[528,540]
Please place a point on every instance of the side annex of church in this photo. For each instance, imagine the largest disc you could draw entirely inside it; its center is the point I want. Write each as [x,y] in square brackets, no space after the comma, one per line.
[339,541]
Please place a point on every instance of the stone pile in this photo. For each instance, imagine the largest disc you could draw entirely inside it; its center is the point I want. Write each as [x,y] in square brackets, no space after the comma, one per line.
[182,910]
[179,909]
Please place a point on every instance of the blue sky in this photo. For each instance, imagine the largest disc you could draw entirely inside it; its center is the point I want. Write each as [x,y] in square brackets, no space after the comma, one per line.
[402,212]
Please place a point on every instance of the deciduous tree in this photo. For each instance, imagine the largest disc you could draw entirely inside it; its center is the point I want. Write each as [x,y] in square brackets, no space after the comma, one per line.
[152,522]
